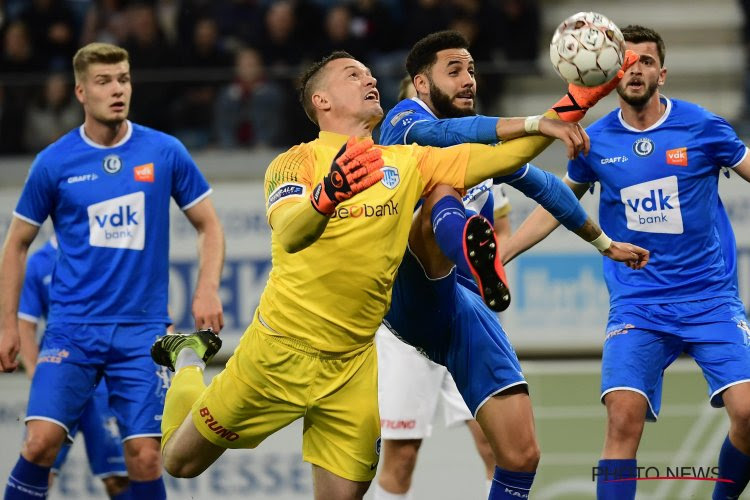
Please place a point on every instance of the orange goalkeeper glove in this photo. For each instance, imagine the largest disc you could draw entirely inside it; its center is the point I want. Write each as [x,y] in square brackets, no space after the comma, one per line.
[578,100]
[355,168]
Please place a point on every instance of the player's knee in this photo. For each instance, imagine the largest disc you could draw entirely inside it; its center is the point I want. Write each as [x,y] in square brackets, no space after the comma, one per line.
[114,485]
[624,424]
[400,458]
[524,459]
[143,461]
[180,468]
[40,449]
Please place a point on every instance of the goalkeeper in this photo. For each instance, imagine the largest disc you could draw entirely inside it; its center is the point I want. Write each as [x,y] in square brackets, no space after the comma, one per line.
[309,352]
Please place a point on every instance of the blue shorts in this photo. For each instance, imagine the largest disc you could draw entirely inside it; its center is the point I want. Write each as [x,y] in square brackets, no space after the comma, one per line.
[101,435]
[453,327]
[643,340]
[74,357]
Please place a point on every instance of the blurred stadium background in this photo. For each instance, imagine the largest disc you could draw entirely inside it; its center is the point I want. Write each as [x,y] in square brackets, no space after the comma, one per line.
[220,76]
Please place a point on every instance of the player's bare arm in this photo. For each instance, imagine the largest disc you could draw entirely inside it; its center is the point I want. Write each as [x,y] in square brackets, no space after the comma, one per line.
[12,266]
[29,347]
[540,223]
[571,134]
[207,308]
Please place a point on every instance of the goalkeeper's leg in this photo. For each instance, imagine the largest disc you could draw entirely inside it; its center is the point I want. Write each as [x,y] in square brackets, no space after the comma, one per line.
[185,452]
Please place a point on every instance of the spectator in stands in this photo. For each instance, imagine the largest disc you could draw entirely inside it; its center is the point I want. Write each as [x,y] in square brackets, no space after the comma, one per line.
[17,65]
[206,65]
[338,34]
[282,49]
[105,21]
[52,30]
[373,23]
[53,113]
[149,53]
[247,111]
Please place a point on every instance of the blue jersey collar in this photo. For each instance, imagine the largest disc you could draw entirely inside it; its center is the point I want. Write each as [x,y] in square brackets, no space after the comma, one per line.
[661,120]
[424,106]
[93,144]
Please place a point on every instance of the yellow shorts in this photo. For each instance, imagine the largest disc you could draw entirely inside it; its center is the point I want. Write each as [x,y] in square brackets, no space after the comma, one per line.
[271,381]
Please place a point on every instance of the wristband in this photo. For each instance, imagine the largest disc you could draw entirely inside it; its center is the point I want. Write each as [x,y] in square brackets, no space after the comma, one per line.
[601,242]
[531,124]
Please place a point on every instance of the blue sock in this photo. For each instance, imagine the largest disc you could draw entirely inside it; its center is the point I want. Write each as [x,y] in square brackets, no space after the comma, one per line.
[153,490]
[609,470]
[448,218]
[27,481]
[734,465]
[510,485]
[125,495]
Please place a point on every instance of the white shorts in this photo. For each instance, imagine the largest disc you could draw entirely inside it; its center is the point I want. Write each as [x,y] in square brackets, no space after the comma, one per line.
[409,389]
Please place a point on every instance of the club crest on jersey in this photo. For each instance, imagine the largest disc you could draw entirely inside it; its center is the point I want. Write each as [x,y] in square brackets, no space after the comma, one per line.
[390,177]
[643,146]
[112,164]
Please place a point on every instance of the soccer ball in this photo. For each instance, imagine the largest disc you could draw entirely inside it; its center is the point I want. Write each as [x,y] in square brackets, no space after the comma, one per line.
[587,49]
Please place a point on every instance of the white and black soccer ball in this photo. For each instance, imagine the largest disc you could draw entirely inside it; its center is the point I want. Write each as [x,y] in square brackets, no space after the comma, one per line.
[587,49]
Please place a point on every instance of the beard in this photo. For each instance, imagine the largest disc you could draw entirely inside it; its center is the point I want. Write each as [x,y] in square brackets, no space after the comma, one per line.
[638,101]
[444,106]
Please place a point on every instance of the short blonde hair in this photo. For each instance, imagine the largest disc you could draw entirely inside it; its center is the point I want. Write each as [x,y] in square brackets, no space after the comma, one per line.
[406,88]
[97,53]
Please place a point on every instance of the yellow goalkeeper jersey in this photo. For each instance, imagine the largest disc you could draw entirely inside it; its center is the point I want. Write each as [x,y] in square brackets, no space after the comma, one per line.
[333,294]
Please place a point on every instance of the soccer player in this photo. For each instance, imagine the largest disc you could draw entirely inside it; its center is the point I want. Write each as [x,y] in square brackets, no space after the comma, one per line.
[658,161]
[107,187]
[410,386]
[97,424]
[340,210]
[442,114]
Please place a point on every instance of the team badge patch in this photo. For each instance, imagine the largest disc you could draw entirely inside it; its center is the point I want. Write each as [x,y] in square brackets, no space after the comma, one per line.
[144,173]
[112,164]
[390,177]
[677,157]
[285,190]
[643,146]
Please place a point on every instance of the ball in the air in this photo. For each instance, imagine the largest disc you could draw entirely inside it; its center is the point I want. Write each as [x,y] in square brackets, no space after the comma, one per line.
[587,49]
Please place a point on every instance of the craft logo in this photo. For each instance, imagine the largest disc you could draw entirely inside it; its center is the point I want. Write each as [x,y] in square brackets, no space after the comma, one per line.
[652,473]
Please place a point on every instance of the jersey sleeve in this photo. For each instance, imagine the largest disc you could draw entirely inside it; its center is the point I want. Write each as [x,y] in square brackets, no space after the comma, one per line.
[289,178]
[188,184]
[38,195]
[721,143]
[32,300]
[580,172]
[452,131]
[443,166]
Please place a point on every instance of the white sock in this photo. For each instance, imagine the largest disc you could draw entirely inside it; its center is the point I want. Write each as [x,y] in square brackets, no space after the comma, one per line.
[381,494]
[188,357]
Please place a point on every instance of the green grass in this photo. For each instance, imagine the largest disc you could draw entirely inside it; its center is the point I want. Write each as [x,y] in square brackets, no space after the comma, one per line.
[571,423]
